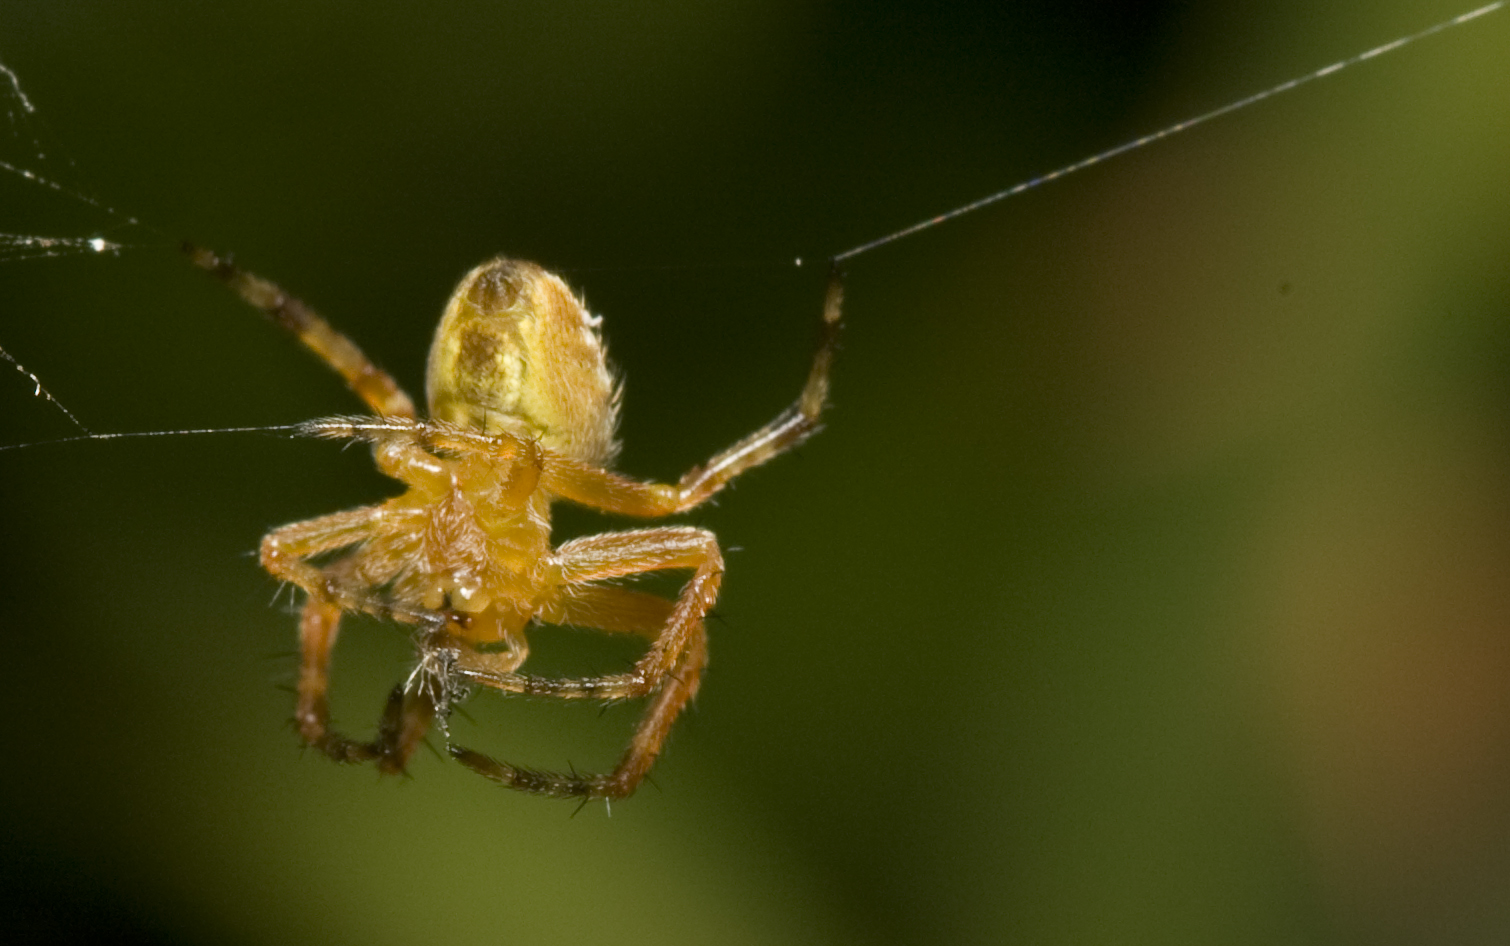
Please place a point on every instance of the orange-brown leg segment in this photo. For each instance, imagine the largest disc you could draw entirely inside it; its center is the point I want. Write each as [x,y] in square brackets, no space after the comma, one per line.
[318,625]
[791,427]
[614,555]
[331,592]
[669,672]
[366,380]
[406,718]
[649,736]
[285,551]
[610,492]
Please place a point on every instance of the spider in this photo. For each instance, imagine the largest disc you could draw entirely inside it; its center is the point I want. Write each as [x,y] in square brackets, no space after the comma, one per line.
[523,409]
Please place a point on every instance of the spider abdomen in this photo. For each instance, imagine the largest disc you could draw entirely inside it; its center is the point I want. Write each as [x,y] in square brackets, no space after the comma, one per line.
[516,351]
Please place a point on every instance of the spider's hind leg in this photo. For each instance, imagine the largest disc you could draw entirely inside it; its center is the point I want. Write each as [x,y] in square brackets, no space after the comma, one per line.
[649,737]
[669,673]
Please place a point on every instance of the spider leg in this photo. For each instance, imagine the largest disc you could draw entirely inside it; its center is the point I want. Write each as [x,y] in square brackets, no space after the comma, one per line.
[644,748]
[319,623]
[406,717]
[669,672]
[285,551]
[791,427]
[408,714]
[614,555]
[369,382]
[406,720]
[610,492]
[428,436]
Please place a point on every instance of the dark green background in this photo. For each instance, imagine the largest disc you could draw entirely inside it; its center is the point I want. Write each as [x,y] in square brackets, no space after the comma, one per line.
[1151,583]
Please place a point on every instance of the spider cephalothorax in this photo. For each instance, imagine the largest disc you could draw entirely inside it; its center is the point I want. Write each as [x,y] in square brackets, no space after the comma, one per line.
[523,410]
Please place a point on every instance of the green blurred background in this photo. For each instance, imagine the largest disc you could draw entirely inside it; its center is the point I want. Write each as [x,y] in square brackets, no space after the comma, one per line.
[1151,583]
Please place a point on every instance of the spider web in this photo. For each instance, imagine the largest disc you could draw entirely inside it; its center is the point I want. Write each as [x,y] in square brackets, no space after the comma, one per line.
[41,184]
[36,164]
[51,213]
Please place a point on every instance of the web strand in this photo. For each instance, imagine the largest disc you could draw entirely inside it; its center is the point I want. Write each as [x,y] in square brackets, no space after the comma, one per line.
[1170,131]
[42,392]
[295,429]
[28,247]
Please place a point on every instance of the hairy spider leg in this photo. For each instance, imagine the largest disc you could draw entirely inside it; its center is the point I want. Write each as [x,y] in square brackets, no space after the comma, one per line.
[283,555]
[615,555]
[369,382]
[671,669]
[285,551]
[406,718]
[332,591]
[607,491]
[649,737]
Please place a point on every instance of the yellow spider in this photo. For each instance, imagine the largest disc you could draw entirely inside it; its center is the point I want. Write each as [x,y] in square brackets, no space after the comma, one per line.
[523,411]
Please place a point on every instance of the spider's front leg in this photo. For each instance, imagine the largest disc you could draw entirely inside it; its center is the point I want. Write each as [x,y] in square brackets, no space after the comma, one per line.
[369,382]
[670,670]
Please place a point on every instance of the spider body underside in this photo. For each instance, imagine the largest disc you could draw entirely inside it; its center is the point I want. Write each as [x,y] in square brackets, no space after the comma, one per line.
[523,411]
